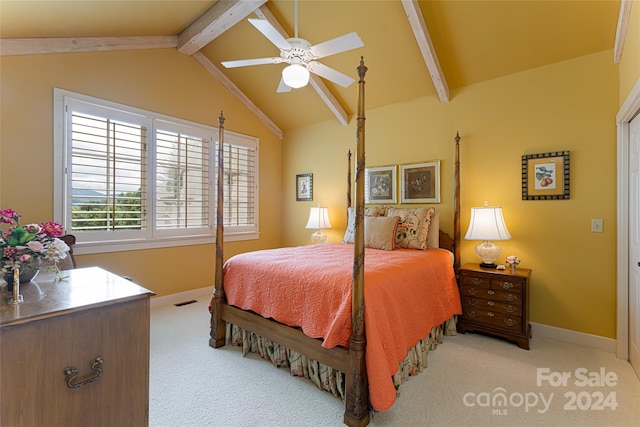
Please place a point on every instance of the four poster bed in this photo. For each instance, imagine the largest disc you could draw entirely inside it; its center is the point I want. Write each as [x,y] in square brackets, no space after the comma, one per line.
[317,296]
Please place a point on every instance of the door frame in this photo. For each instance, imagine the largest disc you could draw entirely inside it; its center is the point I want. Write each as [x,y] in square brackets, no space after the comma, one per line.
[628,111]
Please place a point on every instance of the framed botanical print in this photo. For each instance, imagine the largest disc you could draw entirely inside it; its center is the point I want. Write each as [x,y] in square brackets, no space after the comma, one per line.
[380,184]
[420,182]
[546,176]
[304,187]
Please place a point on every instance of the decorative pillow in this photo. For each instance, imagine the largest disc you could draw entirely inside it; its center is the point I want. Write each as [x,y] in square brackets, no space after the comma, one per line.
[350,233]
[433,237]
[413,227]
[380,232]
[375,210]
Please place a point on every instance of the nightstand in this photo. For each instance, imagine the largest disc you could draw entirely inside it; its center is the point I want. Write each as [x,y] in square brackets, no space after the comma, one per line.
[495,302]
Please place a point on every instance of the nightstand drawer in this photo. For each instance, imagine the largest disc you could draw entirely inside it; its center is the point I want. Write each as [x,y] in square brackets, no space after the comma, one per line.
[490,294]
[507,285]
[497,306]
[476,282]
[495,319]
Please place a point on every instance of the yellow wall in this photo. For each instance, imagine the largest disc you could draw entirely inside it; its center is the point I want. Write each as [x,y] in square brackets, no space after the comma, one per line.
[630,64]
[566,106]
[161,80]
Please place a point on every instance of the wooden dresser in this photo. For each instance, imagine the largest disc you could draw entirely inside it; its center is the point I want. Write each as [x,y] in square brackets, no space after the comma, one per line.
[495,302]
[94,322]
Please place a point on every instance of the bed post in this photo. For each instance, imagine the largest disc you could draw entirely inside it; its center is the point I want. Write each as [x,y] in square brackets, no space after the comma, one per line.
[357,389]
[348,184]
[456,206]
[217,334]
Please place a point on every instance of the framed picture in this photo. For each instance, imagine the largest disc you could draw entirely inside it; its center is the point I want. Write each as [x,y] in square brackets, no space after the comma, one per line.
[545,176]
[304,187]
[380,185]
[420,182]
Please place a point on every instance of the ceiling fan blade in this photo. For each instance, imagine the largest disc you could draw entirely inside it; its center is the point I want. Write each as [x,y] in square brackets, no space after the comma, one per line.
[271,33]
[330,74]
[247,62]
[337,45]
[282,87]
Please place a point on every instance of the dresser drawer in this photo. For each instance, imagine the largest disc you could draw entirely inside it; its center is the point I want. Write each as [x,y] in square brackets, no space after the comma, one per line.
[490,294]
[497,306]
[495,319]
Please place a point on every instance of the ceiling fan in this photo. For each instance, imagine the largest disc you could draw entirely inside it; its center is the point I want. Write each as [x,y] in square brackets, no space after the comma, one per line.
[301,56]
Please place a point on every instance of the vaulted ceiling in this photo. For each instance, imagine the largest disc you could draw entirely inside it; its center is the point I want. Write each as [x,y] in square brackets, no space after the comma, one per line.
[412,48]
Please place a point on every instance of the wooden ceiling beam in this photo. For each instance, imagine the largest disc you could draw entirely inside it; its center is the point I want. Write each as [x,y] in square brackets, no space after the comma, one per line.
[215,72]
[316,82]
[35,46]
[621,30]
[223,15]
[421,33]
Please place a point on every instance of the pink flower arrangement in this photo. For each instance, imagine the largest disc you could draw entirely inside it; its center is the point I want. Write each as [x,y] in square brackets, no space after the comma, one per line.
[22,245]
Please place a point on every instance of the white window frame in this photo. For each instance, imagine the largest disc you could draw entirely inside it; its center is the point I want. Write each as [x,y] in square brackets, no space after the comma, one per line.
[88,243]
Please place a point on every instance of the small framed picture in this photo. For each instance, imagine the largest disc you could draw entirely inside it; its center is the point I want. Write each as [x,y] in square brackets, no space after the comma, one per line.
[420,182]
[546,176]
[304,187]
[380,184]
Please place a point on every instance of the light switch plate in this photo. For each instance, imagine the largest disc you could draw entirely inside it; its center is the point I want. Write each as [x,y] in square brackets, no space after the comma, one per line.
[596,225]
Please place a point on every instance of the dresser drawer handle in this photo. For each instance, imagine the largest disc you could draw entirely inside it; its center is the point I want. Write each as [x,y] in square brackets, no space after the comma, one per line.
[511,297]
[510,309]
[476,281]
[490,292]
[73,373]
[490,314]
[472,291]
[472,314]
[472,302]
[510,322]
[491,303]
[506,285]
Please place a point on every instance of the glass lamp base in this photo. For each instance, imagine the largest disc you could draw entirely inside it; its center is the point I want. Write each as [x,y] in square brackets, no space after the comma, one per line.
[488,253]
[318,237]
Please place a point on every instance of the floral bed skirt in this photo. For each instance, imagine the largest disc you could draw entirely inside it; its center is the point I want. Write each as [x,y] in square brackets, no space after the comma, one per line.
[324,377]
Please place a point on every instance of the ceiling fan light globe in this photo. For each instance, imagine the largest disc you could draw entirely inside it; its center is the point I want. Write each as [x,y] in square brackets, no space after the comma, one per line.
[295,76]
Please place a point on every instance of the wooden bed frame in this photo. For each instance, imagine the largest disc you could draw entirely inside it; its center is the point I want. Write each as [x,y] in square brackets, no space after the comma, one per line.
[352,361]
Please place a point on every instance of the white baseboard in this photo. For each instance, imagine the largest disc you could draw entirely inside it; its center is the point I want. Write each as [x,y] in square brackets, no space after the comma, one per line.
[182,296]
[574,337]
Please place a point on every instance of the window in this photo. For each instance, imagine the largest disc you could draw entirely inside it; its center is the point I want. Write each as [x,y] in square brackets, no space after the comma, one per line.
[131,179]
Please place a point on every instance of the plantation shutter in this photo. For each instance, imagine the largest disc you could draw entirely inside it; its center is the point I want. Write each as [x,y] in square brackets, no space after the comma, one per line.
[108,173]
[182,180]
[240,184]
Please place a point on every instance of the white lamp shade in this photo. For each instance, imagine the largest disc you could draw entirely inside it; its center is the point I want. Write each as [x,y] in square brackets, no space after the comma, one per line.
[295,76]
[318,218]
[487,223]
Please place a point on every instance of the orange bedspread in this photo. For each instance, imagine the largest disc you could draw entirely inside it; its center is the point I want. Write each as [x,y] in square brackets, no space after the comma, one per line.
[407,293]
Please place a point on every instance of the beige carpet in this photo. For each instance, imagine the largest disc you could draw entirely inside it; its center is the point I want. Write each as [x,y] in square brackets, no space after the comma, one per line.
[192,384]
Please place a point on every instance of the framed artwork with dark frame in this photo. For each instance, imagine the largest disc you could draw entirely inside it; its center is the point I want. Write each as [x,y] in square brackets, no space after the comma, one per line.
[420,182]
[546,176]
[380,184]
[304,187]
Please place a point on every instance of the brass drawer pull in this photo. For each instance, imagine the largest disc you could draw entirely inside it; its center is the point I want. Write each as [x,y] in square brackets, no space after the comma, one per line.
[73,373]
[510,309]
[490,314]
[490,292]
[510,322]
[472,291]
[472,302]
[473,314]
[511,297]
[506,285]
[476,281]
[491,303]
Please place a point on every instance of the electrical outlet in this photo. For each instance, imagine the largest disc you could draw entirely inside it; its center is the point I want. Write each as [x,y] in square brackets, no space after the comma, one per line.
[596,225]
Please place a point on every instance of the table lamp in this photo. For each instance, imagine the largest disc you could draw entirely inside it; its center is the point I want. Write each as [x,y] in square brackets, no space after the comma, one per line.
[487,223]
[318,220]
